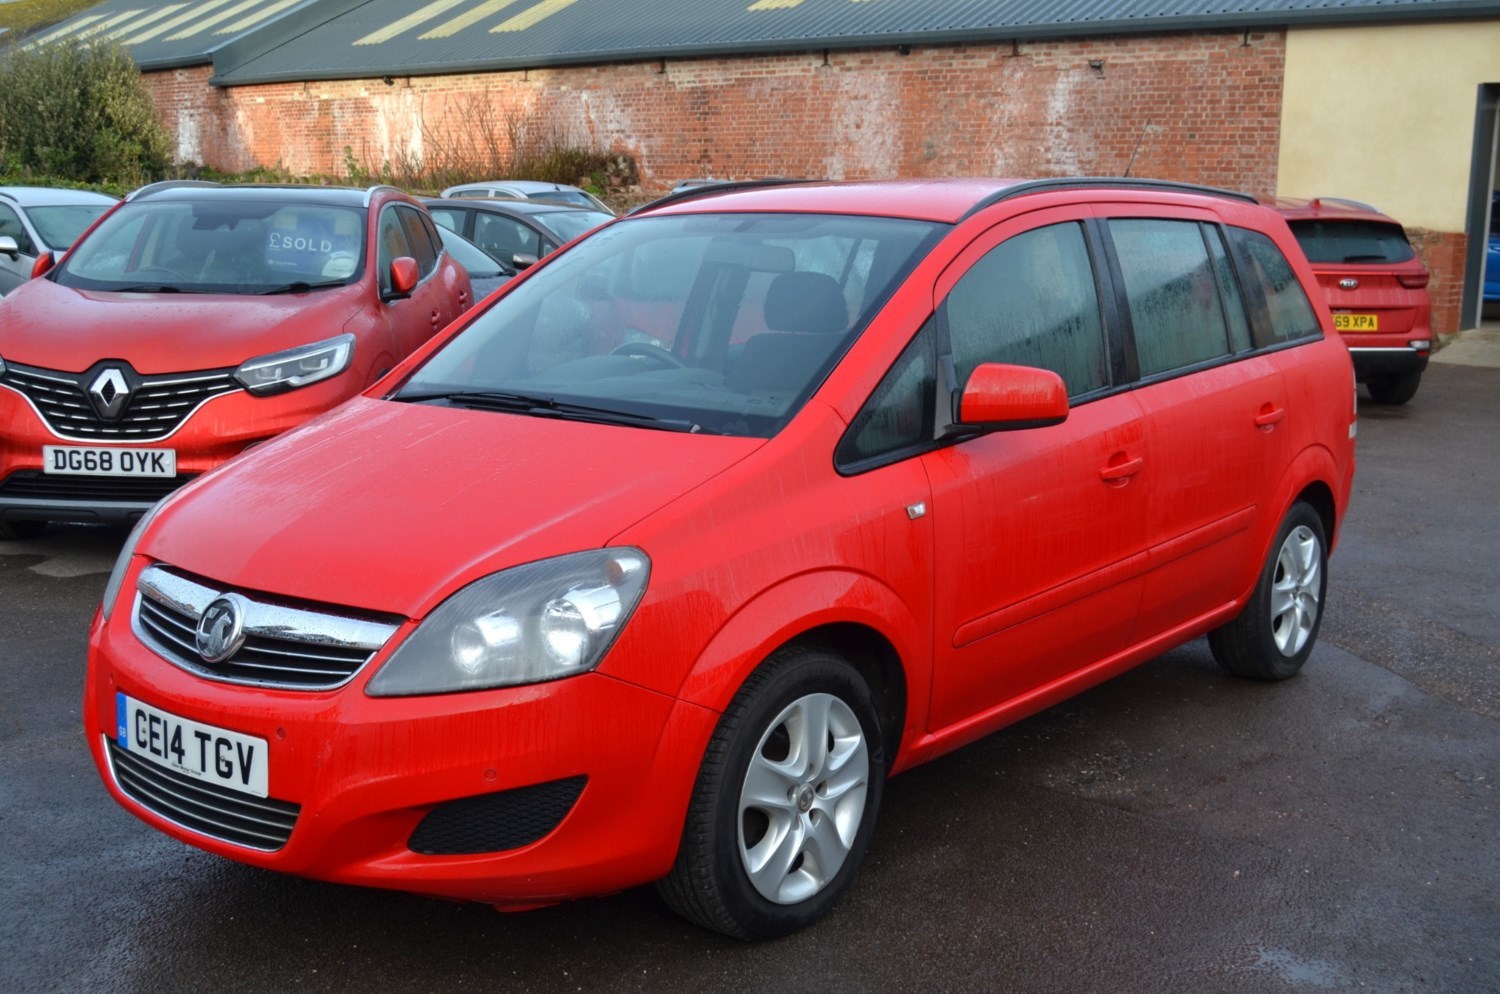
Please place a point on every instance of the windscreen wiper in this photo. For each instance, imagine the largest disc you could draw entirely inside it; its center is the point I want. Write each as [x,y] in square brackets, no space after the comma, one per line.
[153,288]
[521,403]
[300,286]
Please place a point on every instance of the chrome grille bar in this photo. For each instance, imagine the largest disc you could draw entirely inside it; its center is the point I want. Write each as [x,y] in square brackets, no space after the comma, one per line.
[285,646]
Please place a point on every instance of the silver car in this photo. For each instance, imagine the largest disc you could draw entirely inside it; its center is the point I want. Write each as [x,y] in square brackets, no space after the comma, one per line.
[37,219]
[528,189]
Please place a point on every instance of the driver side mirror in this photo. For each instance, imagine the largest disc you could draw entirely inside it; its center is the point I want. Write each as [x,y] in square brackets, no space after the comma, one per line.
[9,247]
[43,264]
[404,278]
[1002,397]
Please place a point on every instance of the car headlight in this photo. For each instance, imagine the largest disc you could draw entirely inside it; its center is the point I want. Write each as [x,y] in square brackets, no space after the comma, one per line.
[122,562]
[540,621]
[297,367]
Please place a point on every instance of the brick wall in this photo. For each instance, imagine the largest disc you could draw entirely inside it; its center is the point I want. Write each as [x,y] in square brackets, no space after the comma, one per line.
[1197,107]
[1443,254]
[1202,107]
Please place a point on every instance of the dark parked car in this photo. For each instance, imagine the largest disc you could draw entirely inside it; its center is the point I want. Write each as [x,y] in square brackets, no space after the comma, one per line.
[516,231]
[486,272]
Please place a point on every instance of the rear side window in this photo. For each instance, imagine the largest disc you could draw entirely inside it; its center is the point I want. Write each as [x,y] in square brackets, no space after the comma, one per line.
[1289,312]
[1175,304]
[1352,241]
[1031,301]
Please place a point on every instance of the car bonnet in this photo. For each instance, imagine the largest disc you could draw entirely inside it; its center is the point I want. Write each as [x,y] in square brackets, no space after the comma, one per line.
[388,506]
[58,327]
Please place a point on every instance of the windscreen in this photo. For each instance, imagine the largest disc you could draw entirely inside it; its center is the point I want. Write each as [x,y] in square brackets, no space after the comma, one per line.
[576,197]
[1352,241]
[60,226]
[568,225]
[219,246]
[720,323]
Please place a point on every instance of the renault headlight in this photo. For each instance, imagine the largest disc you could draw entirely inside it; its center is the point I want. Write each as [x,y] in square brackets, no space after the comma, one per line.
[282,371]
[541,621]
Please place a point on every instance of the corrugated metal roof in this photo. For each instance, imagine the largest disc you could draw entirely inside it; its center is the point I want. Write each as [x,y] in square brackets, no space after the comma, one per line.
[334,39]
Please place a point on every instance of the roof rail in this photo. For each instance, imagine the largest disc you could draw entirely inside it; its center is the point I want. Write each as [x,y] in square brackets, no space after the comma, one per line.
[709,189]
[1343,202]
[371,191]
[9,196]
[169,184]
[1089,182]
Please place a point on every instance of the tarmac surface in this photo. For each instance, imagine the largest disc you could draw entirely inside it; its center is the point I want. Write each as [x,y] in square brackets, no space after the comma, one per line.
[1173,830]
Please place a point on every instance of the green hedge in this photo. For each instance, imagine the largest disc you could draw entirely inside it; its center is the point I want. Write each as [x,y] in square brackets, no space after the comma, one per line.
[79,114]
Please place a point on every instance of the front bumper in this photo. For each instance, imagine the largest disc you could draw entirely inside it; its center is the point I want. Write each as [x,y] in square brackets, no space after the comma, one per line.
[367,772]
[219,429]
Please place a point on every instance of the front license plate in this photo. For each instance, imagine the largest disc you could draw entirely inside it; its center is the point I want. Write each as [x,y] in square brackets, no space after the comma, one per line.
[1356,322]
[77,460]
[201,751]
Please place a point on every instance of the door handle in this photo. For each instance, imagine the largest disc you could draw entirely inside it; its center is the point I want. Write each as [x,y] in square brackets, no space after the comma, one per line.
[1119,473]
[1269,417]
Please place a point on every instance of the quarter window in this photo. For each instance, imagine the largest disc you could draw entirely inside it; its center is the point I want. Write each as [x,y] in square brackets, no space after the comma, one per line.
[1291,315]
[1175,308]
[1031,301]
[898,416]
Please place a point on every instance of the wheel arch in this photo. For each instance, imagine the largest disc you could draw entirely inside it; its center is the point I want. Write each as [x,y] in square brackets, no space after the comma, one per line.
[852,615]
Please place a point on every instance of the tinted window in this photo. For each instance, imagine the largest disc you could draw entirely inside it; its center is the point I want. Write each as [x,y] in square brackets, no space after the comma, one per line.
[504,237]
[899,413]
[449,218]
[1031,301]
[1287,306]
[1229,291]
[1352,241]
[421,242]
[1173,294]
[393,244]
[568,225]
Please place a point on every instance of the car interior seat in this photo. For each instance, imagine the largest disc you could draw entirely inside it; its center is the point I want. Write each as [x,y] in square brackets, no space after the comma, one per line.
[808,317]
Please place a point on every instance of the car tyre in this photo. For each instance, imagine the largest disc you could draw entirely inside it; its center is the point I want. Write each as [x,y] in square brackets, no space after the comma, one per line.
[21,529]
[1274,634]
[785,802]
[1393,390]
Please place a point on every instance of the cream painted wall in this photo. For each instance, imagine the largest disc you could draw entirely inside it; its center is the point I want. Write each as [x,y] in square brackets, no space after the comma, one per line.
[1385,114]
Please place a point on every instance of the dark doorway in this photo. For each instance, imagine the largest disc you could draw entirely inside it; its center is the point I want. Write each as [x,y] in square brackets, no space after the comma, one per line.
[1484,181]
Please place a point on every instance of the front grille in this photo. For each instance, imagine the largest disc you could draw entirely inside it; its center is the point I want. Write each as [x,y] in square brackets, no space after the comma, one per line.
[158,404]
[32,485]
[296,648]
[255,822]
[496,822]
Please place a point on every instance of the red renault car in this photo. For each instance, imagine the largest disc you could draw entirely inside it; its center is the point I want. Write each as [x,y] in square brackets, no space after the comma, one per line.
[655,567]
[1376,287]
[194,321]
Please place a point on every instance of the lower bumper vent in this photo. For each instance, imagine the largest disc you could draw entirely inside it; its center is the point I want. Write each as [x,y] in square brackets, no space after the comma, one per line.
[496,822]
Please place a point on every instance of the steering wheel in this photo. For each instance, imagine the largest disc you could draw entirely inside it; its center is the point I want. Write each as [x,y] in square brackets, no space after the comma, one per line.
[646,350]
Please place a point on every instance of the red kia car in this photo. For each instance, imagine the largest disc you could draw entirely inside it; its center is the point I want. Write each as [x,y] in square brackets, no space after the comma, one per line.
[657,566]
[194,321]
[1376,287]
